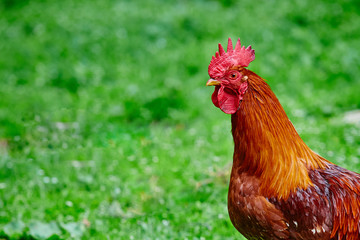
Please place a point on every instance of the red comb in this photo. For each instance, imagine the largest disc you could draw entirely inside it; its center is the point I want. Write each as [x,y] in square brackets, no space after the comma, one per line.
[240,56]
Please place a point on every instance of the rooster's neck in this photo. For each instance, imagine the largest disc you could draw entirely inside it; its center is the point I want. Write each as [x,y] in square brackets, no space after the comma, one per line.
[267,145]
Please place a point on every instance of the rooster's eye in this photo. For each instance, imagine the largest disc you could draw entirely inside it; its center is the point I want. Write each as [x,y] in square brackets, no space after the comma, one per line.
[233,75]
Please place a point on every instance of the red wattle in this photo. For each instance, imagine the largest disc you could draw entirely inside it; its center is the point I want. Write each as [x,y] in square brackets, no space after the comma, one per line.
[214,96]
[225,99]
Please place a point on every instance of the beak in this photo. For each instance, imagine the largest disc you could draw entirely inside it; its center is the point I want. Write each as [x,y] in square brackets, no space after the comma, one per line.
[212,82]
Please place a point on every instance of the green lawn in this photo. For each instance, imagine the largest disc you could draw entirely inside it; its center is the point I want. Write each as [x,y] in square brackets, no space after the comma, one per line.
[107,130]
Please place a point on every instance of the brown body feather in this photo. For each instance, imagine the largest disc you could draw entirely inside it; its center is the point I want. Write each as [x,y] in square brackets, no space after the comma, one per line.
[280,188]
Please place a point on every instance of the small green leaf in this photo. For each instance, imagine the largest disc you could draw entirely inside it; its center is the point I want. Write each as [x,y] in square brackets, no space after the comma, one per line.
[14,227]
[42,230]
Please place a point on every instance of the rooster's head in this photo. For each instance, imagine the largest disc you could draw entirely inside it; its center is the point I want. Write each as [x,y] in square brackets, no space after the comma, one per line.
[226,74]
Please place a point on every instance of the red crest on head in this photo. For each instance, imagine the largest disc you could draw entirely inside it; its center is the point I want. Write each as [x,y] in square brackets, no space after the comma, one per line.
[240,56]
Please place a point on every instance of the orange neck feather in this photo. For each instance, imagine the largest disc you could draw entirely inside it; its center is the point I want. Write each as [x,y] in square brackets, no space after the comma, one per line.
[267,145]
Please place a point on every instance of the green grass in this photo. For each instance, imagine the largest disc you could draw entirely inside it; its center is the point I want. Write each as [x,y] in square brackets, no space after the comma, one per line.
[107,129]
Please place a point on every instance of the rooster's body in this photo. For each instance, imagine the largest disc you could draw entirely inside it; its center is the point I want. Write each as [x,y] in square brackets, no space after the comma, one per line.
[279,188]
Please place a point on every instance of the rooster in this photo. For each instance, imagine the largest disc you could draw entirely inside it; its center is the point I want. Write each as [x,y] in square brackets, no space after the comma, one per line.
[279,188]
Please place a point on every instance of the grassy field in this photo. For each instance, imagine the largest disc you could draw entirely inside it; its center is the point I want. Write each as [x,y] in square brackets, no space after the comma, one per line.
[107,130]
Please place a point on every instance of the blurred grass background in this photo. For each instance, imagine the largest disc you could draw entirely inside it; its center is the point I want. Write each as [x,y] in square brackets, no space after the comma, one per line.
[107,130]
